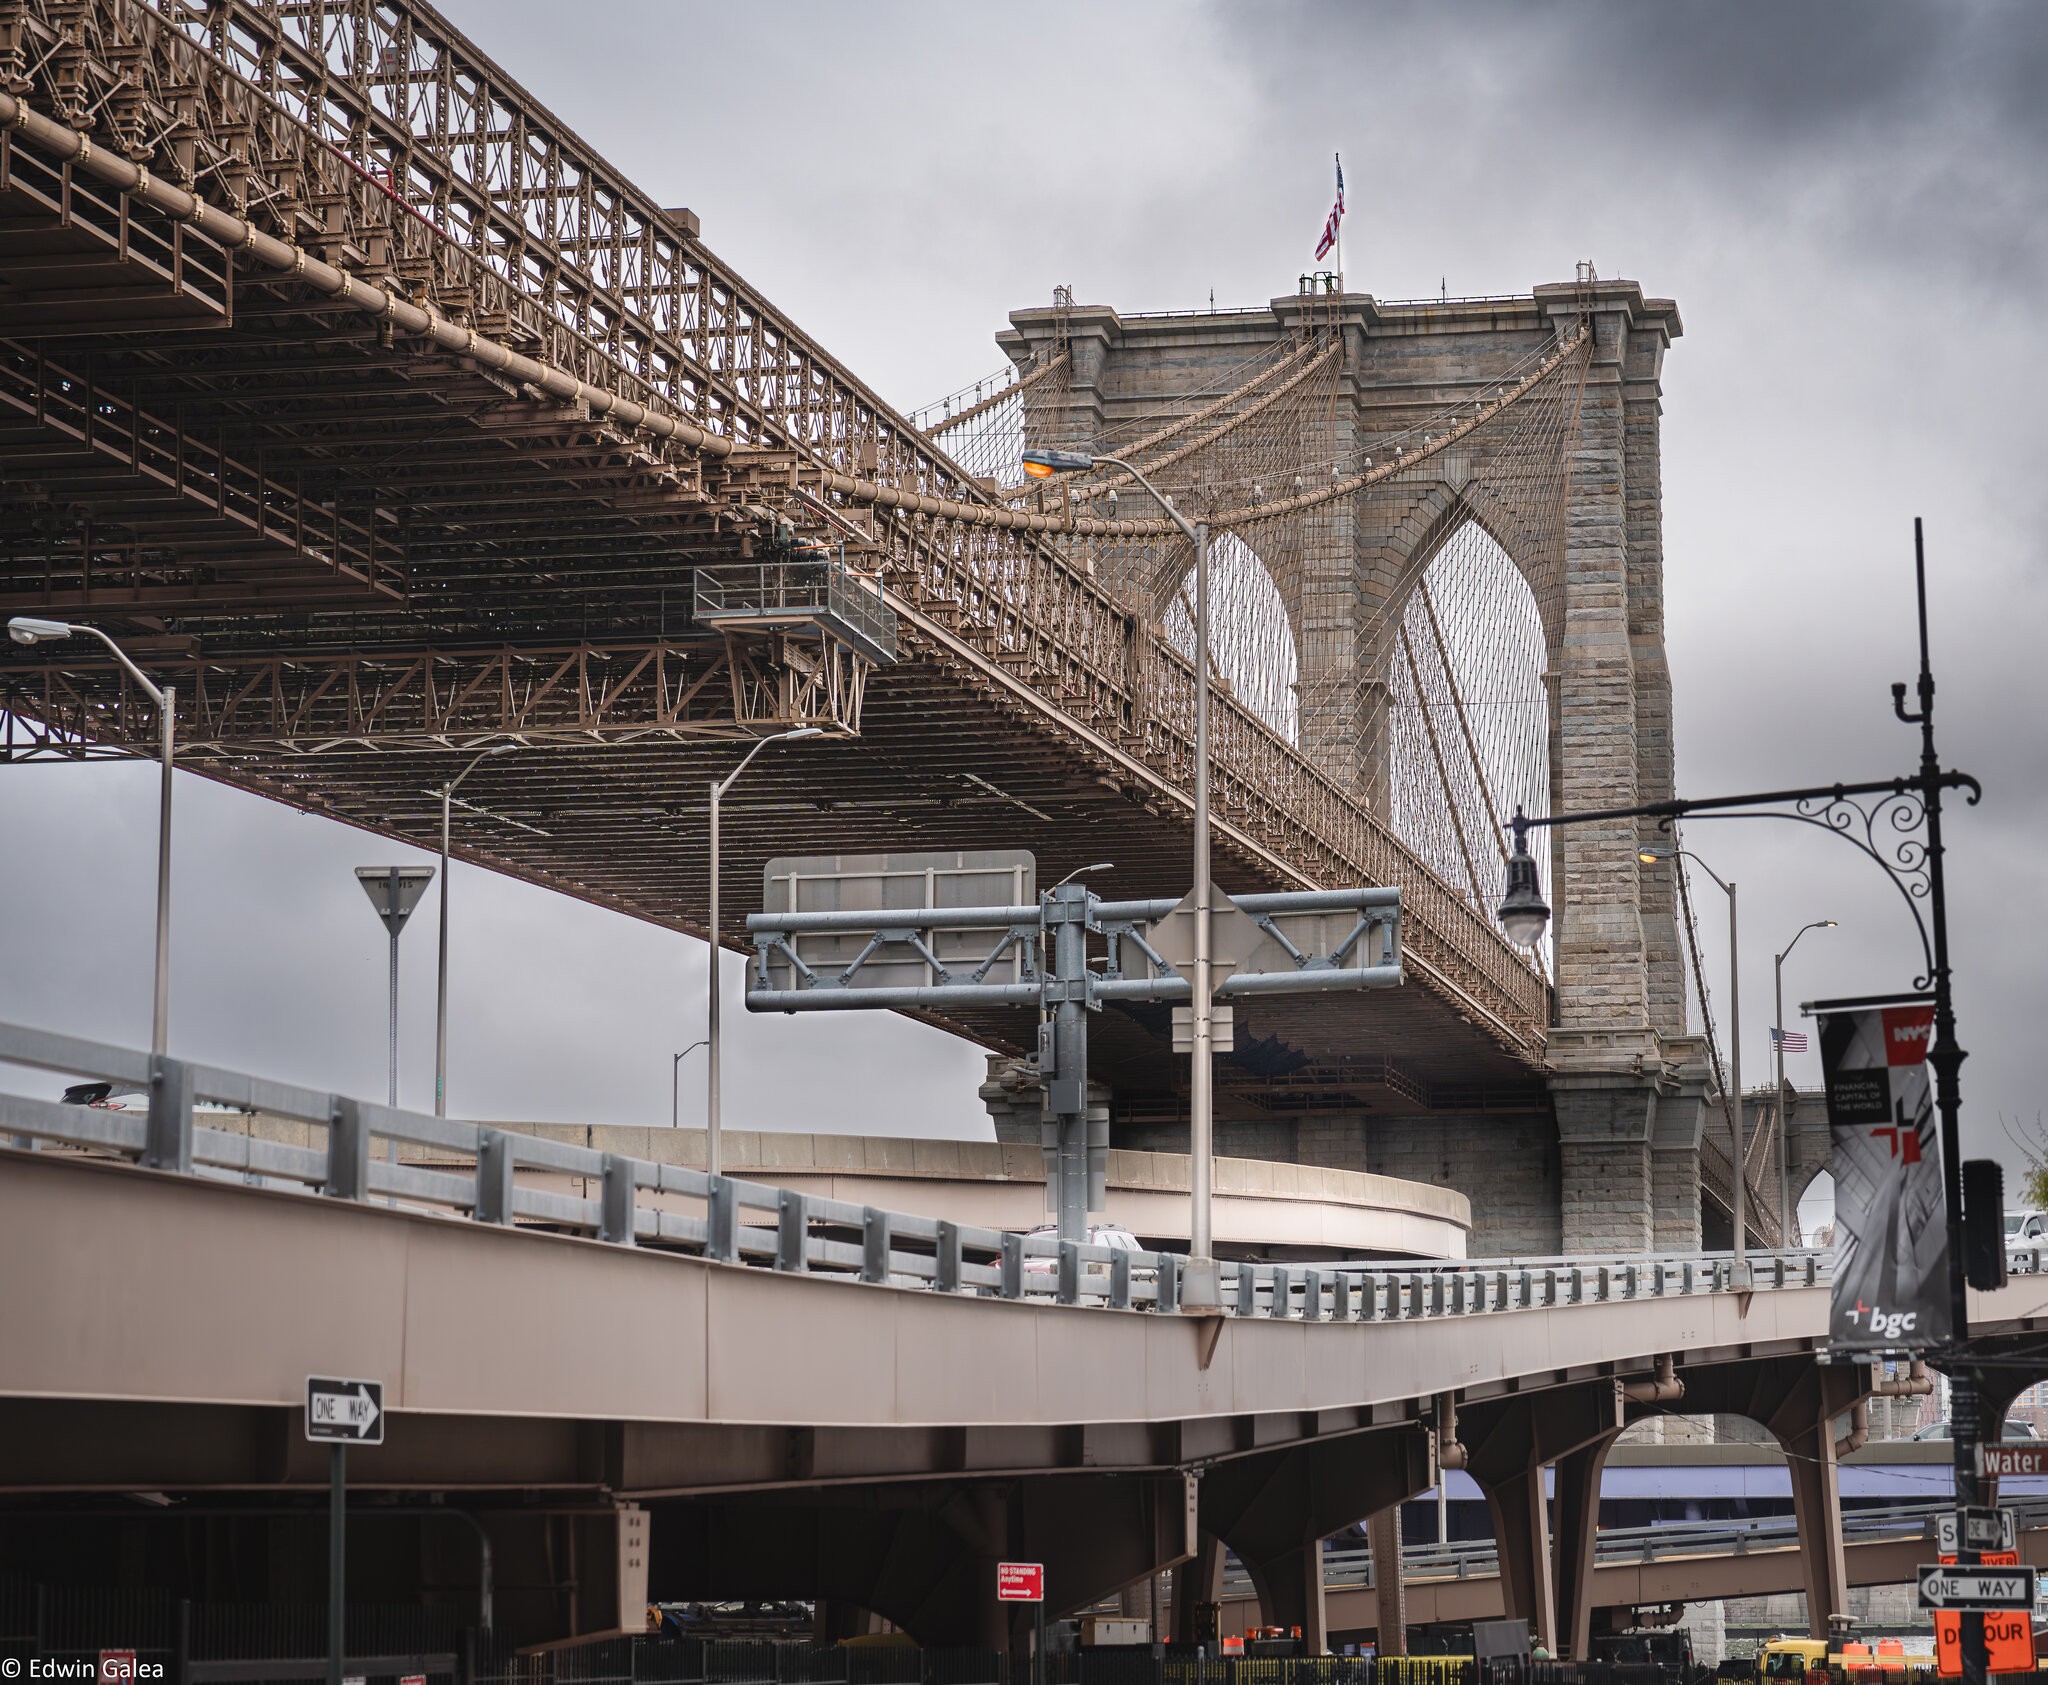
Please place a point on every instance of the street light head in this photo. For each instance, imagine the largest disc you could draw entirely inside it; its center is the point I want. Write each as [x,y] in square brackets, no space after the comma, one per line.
[1828,924]
[1524,914]
[1656,856]
[803,731]
[26,629]
[1043,464]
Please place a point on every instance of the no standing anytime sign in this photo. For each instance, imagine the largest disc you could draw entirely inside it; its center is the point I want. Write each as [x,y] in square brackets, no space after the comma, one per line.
[1020,1582]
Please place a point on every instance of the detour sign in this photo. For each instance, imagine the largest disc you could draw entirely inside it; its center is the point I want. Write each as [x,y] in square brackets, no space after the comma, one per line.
[2008,1633]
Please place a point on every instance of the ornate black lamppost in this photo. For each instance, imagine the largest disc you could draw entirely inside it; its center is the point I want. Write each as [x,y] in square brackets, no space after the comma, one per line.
[1896,822]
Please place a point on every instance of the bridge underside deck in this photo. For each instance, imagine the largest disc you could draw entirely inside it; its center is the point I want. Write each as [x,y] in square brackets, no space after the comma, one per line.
[360,560]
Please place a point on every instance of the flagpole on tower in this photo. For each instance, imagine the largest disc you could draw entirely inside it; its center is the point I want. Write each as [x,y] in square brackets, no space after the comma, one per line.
[1340,223]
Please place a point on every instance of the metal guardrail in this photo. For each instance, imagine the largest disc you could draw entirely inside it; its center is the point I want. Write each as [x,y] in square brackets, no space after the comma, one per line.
[732,1221]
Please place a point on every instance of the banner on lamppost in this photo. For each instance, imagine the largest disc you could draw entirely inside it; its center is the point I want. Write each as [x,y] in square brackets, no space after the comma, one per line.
[1891,1289]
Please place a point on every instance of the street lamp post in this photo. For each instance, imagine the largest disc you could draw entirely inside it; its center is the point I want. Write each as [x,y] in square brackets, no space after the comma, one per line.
[1778,1046]
[394,891]
[1879,819]
[1738,1199]
[675,1083]
[441,969]
[1201,1283]
[713,1158]
[26,629]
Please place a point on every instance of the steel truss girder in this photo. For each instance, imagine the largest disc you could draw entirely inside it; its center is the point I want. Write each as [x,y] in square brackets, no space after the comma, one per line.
[426,699]
[369,133]
[86,429]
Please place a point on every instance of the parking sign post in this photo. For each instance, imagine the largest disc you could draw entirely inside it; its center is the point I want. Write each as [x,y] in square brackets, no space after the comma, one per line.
[337,1558]
[339,1414]
[1024,1582]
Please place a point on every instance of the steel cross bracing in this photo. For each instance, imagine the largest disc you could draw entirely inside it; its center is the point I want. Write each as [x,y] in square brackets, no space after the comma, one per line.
[499,1176]
[405,227]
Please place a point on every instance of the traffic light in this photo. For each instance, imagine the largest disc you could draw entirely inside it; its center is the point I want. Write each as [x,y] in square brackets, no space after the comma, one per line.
[1983,1223]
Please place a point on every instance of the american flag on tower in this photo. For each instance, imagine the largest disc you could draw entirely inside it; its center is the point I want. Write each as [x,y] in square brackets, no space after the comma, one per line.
[1336,218]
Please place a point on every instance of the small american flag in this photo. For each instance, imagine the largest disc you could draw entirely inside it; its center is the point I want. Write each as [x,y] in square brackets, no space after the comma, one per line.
[1336,216]
[1790,1041]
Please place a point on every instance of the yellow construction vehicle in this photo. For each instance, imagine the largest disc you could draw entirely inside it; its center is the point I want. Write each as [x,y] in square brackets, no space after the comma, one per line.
[1845,1661]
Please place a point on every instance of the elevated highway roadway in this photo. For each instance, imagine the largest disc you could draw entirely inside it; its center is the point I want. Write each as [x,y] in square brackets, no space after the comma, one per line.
[819,1399]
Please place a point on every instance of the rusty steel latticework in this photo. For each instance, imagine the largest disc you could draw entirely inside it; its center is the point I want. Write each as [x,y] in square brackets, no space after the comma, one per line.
[402,422]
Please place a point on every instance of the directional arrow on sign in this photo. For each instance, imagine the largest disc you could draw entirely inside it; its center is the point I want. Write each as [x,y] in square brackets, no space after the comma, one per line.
[348,1411]
[1976,1588]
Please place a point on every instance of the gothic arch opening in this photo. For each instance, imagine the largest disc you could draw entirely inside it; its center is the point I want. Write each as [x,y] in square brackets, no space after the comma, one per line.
[1816,1208]
[1251,639]
[1469,723]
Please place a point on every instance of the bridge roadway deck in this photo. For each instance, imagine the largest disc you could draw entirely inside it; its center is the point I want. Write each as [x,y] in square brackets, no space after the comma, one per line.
[210,1303]
[339,515]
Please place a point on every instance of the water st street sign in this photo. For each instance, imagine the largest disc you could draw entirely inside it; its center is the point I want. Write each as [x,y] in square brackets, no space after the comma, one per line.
[344,1412]
[1996,1462]
[1976,1588]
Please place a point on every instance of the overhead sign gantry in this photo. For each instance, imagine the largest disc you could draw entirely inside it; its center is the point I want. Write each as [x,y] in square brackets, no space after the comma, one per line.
[892,931]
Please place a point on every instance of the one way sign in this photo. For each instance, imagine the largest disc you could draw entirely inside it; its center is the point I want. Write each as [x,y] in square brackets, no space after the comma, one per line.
[351,1412]
[1976,1588]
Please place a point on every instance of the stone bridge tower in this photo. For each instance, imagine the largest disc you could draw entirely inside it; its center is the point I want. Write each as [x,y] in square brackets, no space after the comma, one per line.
[1622,1138]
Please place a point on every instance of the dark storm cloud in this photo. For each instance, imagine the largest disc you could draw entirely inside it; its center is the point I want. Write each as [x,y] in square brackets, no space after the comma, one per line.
[1915,131]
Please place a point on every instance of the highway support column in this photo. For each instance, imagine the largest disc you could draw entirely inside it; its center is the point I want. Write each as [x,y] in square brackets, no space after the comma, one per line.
[1275,1510]
[1812,1460]
[1197,1582]
[1508,1442]
[1576,1501]
[1390,1602]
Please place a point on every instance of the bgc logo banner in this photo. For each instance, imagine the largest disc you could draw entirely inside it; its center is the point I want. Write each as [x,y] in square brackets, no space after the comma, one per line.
[1891,1232]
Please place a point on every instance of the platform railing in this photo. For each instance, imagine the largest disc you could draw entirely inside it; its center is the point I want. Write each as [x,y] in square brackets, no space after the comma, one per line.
[506,1178]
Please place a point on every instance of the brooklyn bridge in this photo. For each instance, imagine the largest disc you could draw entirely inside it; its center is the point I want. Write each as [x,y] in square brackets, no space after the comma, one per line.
[386,421]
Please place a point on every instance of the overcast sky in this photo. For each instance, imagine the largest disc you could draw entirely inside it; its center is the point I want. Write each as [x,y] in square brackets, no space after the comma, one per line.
[1847,202]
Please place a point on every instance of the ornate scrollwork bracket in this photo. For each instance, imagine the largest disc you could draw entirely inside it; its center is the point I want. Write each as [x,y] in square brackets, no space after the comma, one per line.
[1887,824]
